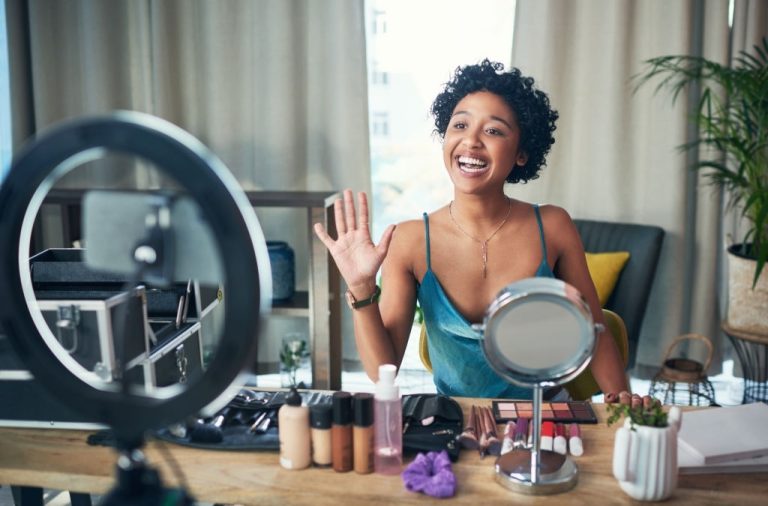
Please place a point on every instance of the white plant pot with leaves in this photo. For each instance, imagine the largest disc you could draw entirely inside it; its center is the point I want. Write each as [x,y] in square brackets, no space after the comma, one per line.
[645,458]
[732,117]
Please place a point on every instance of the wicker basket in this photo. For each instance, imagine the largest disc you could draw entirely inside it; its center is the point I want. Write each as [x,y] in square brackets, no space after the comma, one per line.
[682,380]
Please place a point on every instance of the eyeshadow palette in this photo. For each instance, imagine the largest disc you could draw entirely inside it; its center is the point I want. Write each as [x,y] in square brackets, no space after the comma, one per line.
[566,412]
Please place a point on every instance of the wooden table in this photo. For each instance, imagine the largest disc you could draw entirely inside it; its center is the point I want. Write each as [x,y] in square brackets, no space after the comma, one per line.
[61,459]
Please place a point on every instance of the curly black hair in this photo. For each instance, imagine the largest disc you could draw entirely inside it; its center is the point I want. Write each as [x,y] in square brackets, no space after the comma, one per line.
[535,117]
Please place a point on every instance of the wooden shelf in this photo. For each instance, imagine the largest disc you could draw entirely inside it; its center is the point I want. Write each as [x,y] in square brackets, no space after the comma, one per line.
[320,304]
[298,305]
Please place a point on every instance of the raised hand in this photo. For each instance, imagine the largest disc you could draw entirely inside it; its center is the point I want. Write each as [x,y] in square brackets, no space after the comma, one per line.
[357,258]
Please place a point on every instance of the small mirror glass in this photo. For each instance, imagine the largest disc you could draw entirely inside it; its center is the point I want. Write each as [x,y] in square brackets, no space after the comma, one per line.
[538,331]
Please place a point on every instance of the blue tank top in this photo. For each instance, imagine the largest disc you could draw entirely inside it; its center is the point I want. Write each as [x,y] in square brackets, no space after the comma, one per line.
[455,348]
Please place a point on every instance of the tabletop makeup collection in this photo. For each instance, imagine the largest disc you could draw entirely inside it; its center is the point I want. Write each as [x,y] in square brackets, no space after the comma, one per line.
[538,333]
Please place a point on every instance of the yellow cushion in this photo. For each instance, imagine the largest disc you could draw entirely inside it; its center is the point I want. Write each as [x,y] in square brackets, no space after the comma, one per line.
[604,269]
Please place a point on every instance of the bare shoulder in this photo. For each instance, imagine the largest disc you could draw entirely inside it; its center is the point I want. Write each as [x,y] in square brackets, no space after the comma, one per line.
[559,227]
[555,216]
[407,242]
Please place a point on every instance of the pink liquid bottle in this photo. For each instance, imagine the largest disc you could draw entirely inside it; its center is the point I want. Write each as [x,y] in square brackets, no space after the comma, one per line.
[388,423]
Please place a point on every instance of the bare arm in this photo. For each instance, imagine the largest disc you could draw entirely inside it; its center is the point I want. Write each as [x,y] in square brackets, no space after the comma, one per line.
[381,330]
[607,366]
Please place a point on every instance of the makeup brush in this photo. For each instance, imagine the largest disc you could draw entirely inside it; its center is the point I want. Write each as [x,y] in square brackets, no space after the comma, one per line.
[468,437]
[482,426]
[520,439]
[210,432]
[509,438]
[492,438]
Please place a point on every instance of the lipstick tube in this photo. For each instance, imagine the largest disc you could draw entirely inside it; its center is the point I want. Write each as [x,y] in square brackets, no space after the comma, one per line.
[575,443]
[547,435]
[560,444]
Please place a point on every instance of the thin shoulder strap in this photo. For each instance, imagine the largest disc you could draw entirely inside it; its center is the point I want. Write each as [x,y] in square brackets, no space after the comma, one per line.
[426,231]
[541,231]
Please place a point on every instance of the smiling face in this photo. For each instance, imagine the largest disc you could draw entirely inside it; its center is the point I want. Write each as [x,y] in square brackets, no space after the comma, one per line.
[481,143]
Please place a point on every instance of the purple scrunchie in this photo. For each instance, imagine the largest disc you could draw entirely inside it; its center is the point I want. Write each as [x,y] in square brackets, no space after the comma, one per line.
[431,474]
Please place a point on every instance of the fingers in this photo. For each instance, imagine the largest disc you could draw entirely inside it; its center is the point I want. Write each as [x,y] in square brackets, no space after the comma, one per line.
[386,237]
[322,234]
[362,203]
[338,214]
[636,401]
[611,397]
[647,402]
[349,210]
[625,398]
[344,212]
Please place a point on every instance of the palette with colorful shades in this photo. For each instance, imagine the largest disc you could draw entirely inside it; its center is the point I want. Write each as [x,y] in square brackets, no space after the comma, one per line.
[566,412]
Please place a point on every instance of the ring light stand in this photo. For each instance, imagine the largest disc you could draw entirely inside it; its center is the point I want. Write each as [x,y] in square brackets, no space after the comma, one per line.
[538,333]
[246,276]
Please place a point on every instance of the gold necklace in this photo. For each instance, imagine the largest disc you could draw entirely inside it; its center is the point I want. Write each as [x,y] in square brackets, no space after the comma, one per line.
[483,244]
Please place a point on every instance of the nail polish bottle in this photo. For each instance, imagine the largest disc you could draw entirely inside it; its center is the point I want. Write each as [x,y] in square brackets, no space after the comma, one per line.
[341,432]
[293,432]
[320,420]
[362,433]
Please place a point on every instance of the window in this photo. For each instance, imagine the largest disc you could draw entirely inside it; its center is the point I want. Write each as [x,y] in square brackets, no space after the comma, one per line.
[379,23]
[380,124]
[5,99]
[423,44]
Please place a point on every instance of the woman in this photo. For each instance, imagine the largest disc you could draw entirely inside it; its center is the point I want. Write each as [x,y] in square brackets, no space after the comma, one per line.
[496,128]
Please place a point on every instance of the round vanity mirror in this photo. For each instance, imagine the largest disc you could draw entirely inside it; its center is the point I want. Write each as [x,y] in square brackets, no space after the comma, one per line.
[538,333]
[155,314]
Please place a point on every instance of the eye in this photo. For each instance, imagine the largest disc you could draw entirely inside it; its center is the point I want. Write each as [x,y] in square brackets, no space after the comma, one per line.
[459,125]
[497,131]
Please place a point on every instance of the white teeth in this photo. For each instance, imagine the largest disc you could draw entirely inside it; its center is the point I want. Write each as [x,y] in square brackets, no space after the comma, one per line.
[471,161]
[469,164]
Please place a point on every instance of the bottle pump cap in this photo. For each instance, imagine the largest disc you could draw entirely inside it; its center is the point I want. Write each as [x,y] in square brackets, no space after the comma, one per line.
[293,398]
[386,389]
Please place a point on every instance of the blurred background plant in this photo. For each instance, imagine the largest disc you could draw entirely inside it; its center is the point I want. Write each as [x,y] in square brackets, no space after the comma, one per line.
[732,116]
[293,357]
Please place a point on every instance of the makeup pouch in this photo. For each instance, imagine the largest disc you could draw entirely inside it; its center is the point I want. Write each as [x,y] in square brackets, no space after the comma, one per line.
[431,422]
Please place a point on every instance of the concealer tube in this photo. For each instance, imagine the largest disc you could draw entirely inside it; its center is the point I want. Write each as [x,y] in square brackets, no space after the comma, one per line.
[320,423]
[362,433]
[341,432]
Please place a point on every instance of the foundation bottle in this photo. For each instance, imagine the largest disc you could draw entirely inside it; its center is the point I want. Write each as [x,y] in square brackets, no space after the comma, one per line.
[341,432]
[320,421]
[293,432]
[362,433]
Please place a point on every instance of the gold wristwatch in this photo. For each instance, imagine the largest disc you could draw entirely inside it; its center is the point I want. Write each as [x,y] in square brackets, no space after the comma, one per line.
[353,303]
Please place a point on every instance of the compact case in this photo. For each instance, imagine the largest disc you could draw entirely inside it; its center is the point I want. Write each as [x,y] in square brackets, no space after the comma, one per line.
[91,315]
[431,422]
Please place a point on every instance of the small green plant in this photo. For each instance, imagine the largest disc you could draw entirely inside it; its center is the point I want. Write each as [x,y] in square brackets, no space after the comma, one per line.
[294,351]
[652,416]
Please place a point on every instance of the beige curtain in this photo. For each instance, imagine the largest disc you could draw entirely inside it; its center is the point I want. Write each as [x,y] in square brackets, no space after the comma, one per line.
[276,88]
[615,157]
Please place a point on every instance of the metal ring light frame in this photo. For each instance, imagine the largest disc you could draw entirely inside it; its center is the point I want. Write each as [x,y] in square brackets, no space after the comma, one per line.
[231,218]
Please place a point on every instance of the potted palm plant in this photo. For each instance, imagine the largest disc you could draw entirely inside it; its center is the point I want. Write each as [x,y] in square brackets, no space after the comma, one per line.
[732,116]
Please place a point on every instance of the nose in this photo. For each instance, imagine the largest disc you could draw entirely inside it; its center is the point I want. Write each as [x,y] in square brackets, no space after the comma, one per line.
[472,137]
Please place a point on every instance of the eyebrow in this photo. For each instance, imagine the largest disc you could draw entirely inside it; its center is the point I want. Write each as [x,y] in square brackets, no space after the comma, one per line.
[501,120]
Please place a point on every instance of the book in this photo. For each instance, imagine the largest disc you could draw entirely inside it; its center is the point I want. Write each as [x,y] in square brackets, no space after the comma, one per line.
[690,463]
[717,435]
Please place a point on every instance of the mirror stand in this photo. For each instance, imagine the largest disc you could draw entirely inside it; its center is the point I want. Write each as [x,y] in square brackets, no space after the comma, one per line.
[535,471]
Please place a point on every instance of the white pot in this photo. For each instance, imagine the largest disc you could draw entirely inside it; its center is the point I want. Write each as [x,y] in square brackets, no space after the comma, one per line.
[747,306]
[645,459]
